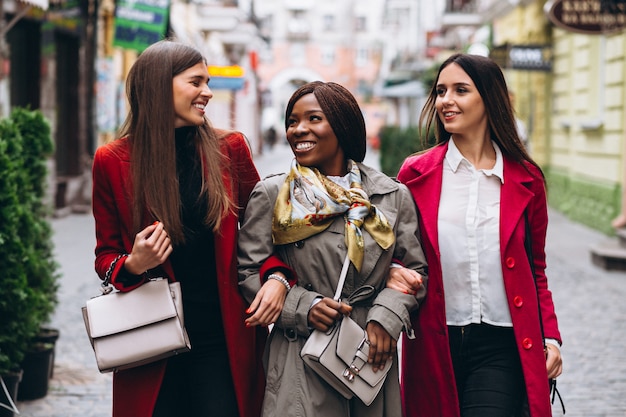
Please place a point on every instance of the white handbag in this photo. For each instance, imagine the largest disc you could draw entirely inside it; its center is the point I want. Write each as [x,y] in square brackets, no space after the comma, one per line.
[129,329]
[339,356]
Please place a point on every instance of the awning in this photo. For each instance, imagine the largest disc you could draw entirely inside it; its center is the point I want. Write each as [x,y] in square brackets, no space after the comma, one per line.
[42,4]
[408,89]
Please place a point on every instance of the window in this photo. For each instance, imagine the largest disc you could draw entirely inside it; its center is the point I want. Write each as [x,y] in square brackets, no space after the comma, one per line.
[361,24]
[329,22]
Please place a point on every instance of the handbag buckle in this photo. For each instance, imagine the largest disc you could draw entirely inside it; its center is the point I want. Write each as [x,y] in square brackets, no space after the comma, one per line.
[350,373]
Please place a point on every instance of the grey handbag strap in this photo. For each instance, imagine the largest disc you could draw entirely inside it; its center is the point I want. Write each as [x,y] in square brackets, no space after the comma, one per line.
[342,278]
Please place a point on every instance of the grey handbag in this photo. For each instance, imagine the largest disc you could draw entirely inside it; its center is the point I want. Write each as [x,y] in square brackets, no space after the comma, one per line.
[129,329]
[339,356]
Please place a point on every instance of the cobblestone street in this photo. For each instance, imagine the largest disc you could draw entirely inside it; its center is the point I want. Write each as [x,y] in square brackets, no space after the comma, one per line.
[589,301]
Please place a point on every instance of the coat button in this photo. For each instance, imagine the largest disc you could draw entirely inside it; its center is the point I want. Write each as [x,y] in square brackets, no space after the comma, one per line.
[308,287]
[290,333]
[299,244]
[518,301]
[510,262]
[527,343]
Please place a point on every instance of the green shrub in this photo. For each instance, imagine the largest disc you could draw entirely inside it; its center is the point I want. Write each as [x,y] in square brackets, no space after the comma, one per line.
[396,144]
[29,272]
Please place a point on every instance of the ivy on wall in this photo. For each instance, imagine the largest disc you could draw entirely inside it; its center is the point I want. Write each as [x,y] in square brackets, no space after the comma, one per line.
[591,203]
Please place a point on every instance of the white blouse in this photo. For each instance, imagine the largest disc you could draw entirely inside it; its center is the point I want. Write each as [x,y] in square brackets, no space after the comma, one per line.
[469,241]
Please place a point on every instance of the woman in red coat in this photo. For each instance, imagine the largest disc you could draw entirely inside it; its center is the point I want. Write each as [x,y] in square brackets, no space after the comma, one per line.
[167,198]
[478,348]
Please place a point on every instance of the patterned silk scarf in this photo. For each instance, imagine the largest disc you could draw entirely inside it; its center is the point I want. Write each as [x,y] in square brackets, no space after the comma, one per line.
[308,202]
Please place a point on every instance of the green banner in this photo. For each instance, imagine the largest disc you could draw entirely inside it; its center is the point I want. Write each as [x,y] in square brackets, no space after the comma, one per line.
[140,23]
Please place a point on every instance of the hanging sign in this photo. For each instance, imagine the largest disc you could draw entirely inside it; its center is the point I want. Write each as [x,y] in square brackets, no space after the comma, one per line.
[230,77]
[140,23]
[587,16]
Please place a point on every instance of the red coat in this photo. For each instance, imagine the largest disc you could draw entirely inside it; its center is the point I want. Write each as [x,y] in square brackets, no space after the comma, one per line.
[135,391]
[428,384]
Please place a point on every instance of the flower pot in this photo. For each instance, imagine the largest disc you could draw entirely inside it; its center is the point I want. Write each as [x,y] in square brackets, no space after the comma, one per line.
[11,381]
[48,335]
[36,367]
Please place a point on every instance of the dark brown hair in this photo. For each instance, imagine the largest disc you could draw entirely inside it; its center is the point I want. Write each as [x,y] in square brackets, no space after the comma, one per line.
[149,126]
[491,85]
[343,113]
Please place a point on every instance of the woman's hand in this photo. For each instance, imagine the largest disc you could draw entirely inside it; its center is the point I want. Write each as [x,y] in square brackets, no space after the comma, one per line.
[382,345]
[554,363]
[267,304]
[151,248]
[326,312]
[404,280]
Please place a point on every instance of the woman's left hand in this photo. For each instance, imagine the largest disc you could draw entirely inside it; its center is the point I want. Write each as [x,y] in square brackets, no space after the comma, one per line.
[268,304]
[554,363]
[404,280]
[382,345]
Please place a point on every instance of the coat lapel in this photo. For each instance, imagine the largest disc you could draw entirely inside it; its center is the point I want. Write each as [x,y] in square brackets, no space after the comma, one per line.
[514,198]
[427,182]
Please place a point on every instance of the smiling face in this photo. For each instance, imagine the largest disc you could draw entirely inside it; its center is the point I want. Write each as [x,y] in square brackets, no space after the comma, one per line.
[312,138]
[191,95]
[459,105]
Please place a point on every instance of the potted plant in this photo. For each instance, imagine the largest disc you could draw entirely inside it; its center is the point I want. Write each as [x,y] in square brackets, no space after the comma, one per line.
[28,292]
[19,322]
[36,232]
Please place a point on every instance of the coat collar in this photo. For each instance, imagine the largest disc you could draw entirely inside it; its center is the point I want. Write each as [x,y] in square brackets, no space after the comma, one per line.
[425,172]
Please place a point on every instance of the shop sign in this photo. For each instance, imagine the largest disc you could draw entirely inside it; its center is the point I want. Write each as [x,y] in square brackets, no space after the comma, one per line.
[587,16]
[140,23]
[523,57]
[230,77]
[530,57]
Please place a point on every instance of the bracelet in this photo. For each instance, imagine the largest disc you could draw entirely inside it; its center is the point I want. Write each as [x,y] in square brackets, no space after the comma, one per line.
[281,280]
[109,272]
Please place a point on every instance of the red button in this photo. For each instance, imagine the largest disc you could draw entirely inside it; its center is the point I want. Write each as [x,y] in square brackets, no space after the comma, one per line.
[518,301]
[527,343]
[510,262]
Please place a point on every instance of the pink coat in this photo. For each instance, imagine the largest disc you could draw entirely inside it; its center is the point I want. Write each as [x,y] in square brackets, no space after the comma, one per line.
[135,390]
[428,385]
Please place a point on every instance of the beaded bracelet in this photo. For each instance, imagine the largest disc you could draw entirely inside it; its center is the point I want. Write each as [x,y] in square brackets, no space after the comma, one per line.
[281,280]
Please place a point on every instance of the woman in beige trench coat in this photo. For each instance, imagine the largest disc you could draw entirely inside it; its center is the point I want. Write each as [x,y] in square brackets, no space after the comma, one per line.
[306,218]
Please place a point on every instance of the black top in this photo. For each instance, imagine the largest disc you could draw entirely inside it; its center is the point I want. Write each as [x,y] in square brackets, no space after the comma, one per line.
[194,261]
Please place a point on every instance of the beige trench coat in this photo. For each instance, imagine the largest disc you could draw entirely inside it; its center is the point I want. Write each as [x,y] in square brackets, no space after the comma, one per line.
[292,388]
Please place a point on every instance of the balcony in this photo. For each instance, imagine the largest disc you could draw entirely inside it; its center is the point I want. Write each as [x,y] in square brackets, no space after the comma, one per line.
[214,18]
[298,30]
[293,5]
[461,13]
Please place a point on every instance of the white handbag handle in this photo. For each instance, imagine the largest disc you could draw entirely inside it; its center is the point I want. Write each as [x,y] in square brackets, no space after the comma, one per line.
[342,278]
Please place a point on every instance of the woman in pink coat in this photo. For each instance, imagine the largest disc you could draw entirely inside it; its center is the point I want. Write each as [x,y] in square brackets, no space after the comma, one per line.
[478,350]
[167,199]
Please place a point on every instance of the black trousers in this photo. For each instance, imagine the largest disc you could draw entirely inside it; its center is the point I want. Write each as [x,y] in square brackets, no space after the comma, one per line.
[488,372]
[198,383]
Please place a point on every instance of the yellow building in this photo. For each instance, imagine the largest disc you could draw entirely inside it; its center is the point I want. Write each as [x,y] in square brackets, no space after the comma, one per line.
[574,112]
[587,130]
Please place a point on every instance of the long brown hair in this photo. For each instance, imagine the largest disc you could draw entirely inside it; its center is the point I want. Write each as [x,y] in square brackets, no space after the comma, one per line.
[491,85]
[149,126]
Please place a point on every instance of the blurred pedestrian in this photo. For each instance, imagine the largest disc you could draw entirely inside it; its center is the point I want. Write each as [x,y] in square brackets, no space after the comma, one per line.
[478,350]
[327,205]
[166,200]
[270,137]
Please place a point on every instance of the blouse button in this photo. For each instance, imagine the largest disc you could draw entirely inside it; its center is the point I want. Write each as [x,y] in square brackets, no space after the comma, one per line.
[510,262]
[518,301]
[527,343]
[299,244]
